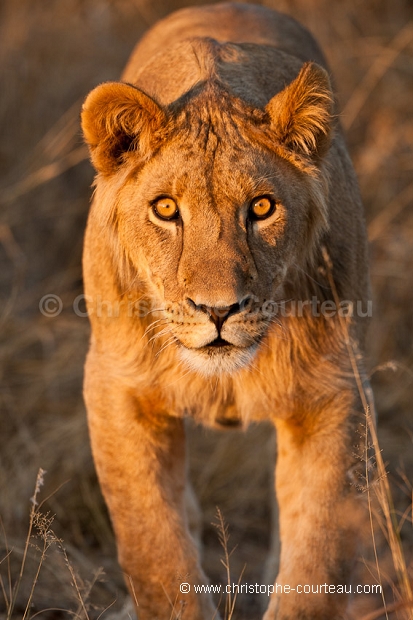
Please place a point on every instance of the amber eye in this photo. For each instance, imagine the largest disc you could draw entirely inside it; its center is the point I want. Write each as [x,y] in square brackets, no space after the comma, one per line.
[165,209]
[261,208]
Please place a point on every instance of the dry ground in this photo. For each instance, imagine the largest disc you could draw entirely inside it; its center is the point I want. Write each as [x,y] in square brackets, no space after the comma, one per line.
[51,54]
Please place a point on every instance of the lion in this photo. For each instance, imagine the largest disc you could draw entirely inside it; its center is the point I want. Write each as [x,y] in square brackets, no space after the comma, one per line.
[224,253]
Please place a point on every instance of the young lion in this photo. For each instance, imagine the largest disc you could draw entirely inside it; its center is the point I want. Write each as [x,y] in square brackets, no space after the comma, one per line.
[224,251]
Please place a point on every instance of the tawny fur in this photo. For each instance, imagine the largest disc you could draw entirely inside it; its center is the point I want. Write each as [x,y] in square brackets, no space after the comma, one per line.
[213,125]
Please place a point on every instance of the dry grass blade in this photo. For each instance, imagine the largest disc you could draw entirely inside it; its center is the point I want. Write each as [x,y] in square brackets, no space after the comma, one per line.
[39,484]
[45,174]
[382,486]
[389,609]
[42,523]
[132,588]
[387,215]
[40,527]
[147,10]
[374,75]
[75,584]
[6,595]
[61,135]
[223,535]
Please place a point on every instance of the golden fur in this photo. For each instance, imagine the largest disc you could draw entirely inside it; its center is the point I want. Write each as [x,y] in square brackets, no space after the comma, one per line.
[213,124]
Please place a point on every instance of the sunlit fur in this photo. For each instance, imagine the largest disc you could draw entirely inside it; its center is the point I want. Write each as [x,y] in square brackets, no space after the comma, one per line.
[214,125]
[212,362]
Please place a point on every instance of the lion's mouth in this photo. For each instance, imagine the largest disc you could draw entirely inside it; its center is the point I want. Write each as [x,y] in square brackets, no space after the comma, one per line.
[218,356]
[219,347]
[218,342]
[216,346]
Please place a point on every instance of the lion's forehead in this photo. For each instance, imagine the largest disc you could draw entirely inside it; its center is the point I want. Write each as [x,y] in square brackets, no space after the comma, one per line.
[184,171]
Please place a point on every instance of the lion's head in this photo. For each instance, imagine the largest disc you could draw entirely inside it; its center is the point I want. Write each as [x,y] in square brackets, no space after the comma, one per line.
[212,202]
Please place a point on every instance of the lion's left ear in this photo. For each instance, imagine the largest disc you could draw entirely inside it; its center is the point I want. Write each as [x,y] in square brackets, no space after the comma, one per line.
[117,117]
[301,114]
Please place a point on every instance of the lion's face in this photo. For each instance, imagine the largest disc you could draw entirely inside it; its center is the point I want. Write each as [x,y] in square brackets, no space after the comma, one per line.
[214,258]
[212,221]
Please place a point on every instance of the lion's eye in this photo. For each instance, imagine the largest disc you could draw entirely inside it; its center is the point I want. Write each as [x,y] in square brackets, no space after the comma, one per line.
[261,208]
[165,209]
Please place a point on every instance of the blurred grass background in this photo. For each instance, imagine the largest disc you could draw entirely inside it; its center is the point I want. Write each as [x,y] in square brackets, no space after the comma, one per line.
[51,54]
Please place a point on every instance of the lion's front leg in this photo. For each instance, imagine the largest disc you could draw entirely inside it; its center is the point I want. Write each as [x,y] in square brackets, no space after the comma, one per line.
[320,513]
[139,453]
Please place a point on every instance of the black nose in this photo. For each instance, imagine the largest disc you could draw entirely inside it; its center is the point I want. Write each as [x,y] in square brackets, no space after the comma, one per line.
[218,315]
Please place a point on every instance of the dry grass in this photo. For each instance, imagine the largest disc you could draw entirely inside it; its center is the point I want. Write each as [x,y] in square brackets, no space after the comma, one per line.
[376,482]
[49,59]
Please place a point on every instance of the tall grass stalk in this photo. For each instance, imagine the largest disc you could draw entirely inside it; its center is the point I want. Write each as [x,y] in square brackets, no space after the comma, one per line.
[381,485]
[11,601]
[40,526]
[223,535]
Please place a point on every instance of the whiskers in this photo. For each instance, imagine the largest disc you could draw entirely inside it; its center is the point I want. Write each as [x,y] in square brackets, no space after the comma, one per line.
[165,329]
[162,332]
[284,332]
[153,310]
[153,325]
[167,344]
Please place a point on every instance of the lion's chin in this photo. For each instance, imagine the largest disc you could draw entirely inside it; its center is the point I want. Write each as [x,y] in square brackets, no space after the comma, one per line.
[210,361]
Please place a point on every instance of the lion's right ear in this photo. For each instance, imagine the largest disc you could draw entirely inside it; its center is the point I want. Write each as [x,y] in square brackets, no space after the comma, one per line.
[118,118]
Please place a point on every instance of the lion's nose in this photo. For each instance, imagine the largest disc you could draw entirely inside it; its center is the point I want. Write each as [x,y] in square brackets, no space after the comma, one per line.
[217,314]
